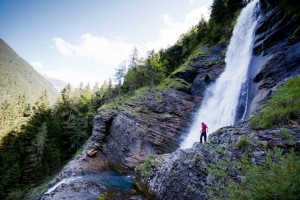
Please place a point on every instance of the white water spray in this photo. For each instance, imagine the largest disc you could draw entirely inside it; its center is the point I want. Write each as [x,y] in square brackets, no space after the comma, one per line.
[219,105]
[64,181]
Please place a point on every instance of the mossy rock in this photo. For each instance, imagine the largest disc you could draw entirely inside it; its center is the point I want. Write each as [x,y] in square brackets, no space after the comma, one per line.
[282,108]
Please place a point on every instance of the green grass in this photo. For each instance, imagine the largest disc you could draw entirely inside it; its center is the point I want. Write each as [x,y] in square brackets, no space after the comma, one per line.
[171,83]
[281,109]
[285,134]
[278,179]
[200,50]
[243,142]
[111,107]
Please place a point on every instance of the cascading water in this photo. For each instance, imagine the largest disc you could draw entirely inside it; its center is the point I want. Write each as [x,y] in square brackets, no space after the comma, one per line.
[219,105]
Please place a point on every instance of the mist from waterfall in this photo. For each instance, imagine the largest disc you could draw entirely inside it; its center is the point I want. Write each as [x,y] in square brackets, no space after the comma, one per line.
[220,101]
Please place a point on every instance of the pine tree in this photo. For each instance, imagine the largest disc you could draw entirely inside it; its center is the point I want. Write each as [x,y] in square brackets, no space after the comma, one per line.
[134,58]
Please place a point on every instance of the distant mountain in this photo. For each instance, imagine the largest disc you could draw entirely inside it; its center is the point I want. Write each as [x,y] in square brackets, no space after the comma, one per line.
[58,84]
[17,77]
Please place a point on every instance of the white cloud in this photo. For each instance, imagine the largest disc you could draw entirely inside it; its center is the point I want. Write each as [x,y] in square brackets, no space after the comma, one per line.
[113,52]
[195,15]
[170,34]
[109,53]
[37,65]
[167,35]
[99,49]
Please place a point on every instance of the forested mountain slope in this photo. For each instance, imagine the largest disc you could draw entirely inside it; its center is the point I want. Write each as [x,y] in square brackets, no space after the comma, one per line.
[18,78]
[152,121]
[150,112]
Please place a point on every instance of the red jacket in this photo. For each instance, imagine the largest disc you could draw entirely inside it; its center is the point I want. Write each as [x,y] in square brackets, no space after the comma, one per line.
[204,128]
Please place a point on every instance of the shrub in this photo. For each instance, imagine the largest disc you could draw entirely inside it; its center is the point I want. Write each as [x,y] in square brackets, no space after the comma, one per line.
[283,107]
[279,178]
[285,134]
[243,142]
[145,168]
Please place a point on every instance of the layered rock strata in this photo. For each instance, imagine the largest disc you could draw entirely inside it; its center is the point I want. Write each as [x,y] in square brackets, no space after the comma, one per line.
[185,174]
[149,123]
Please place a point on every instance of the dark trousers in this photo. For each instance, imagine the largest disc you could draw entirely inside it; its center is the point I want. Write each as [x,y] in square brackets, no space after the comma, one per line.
[203,134]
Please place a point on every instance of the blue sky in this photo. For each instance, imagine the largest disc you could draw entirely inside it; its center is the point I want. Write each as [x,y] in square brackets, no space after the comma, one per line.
[85,40]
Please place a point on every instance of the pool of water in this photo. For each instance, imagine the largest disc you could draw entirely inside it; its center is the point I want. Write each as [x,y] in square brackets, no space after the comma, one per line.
[112,180]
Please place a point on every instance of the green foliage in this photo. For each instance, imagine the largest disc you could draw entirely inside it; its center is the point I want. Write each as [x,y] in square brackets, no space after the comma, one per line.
[37,140]
[146,73]
[13,114]
[243,142]
[105,196]
[18,78]
[285,133]
[46,140]
[197,52]
[290,7]
[283,107]
[157,66]
[145,168]
[291,10]
[277,179]
[220,173]
[174,84]
[234,21]
[35,192]
[138,186]
[223,16]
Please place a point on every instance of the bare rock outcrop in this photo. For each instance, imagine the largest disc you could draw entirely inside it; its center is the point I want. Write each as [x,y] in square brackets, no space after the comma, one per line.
[152,123]
[276,54]
[184,174]
[125,134]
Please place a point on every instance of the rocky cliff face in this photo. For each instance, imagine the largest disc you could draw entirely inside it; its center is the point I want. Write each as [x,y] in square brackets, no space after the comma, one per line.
[152,122]
[185,174]
[276,55]
[148,123]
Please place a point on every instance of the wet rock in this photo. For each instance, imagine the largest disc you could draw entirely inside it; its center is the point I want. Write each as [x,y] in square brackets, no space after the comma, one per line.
[151,123]
[208,68]
[184,174]
[276,55]
[147,124]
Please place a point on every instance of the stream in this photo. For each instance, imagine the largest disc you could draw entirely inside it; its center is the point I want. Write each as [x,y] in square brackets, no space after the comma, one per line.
[91,186]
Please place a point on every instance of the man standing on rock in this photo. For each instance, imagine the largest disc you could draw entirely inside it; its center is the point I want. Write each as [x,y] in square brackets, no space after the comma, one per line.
[204,130]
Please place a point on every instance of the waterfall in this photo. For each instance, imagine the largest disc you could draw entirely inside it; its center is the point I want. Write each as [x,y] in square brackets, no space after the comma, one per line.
[220,101]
